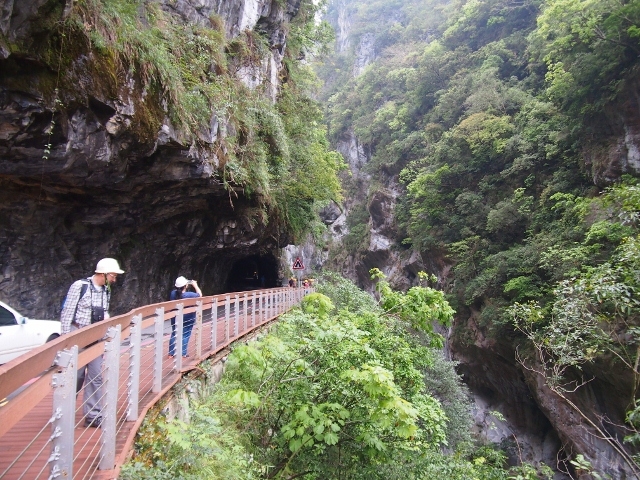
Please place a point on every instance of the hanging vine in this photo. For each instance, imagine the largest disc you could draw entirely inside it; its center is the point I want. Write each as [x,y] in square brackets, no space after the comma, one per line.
[57,103]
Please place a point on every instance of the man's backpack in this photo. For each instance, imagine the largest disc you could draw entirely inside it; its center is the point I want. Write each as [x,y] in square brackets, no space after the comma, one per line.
[83,290]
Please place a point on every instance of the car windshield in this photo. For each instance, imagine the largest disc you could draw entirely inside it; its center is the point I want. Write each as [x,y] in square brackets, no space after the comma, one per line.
[6,317]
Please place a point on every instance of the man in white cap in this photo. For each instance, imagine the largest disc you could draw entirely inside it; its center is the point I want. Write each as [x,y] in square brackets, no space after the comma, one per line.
[87,302]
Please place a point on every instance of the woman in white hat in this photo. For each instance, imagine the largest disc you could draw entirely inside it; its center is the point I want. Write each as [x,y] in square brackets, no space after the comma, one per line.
[189,319]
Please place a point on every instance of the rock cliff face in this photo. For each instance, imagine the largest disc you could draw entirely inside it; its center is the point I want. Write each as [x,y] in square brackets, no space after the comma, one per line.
[89,179]
[621,154]
[537,423]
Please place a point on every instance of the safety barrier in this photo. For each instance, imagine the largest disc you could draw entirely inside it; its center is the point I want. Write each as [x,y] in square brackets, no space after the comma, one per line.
[42,425]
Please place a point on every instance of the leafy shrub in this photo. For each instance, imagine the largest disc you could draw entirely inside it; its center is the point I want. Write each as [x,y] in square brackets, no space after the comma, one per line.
[344,294]
[202,448]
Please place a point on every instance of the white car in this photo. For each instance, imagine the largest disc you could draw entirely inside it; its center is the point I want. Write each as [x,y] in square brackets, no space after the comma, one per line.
[19,334]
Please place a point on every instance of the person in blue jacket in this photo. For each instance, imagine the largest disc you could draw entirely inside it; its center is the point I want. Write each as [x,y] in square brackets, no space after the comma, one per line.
[189,319]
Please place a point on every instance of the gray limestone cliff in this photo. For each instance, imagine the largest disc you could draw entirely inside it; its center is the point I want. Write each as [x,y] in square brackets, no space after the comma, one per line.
[101,170]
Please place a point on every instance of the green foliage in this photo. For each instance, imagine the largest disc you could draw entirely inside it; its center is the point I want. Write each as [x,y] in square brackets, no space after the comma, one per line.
[633,419]
[358,223]
[593,316]
[167,57]
[488,156]
[588,46]
[529,472]
[199,449]
[444,383]
[523,288]
[419,307]
[494,120]
[328,384]
[311,178]
[344,295]
[317,304]
[585,318]
[583,467]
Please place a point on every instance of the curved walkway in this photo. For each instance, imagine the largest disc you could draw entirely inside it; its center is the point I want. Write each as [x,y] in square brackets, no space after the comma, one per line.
[42,432]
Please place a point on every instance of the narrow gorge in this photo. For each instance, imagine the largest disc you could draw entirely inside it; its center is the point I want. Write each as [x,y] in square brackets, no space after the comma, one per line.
[493,144]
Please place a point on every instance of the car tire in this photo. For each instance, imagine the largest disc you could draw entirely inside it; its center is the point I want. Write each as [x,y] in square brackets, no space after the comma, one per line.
[53,336]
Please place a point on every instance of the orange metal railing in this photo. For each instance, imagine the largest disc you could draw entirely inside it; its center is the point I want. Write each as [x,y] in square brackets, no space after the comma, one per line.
[42,432]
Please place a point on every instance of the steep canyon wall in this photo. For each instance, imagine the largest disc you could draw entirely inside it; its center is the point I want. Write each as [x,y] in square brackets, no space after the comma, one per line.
[533,423]
[86,171]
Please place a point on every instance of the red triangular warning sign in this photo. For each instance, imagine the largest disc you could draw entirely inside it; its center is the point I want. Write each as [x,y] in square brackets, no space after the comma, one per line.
[297,264]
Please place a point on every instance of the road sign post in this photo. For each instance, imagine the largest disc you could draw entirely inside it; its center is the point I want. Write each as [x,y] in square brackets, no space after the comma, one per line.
[299,266]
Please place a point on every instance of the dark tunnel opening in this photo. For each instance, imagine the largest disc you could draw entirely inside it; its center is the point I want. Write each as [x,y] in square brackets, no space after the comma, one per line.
[251,273]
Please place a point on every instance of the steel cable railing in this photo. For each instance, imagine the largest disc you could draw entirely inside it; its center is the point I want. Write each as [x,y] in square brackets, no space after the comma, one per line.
[136,373]
[22,454]
[32,462]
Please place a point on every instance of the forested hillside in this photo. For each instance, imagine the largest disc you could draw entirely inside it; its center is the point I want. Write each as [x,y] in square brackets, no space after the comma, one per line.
[510,132]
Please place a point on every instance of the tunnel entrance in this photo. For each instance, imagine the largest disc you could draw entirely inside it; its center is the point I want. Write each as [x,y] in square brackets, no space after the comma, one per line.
[251,273]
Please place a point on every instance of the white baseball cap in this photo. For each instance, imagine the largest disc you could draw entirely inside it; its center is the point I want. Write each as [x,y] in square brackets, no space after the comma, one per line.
[181,282]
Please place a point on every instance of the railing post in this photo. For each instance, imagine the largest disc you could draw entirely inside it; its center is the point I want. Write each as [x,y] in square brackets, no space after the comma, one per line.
[179,329]
[253,310]
[245,304]
[236,316]
[111,375]
[63,419]
[260,307]
[133,384]
[267,306]
[272,313]
[227,314]
[214,324]
[198,327]
[158,338]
